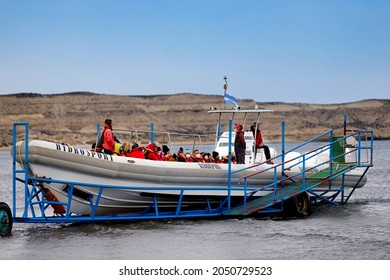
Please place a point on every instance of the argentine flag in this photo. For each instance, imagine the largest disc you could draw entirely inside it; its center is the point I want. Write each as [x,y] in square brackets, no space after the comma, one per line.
[228,99]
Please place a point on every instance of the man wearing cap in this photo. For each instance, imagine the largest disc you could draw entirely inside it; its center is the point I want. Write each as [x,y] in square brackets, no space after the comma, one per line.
[239,144]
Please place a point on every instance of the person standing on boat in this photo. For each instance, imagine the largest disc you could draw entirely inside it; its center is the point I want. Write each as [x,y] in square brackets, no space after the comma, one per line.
[107,139]
[259,142]
[239,144]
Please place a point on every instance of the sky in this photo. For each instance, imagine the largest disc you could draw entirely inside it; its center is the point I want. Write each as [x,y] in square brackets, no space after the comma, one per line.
[317,51]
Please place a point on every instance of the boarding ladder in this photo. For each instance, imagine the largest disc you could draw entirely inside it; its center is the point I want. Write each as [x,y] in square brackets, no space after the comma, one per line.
[320,185]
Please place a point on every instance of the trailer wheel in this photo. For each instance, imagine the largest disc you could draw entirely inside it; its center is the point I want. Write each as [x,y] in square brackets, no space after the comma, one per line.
[298,206]
[5,220]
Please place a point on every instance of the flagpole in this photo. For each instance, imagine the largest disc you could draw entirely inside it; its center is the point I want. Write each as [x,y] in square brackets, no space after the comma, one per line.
[225,86]
[218,131]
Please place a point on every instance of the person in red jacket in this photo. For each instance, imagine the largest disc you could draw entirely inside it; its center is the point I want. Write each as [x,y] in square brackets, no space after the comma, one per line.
[136,151]
[259,142]
[107,140]
[151,152]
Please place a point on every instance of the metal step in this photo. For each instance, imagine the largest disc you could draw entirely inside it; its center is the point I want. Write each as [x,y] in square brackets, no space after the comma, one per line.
[288,191]
[266,201]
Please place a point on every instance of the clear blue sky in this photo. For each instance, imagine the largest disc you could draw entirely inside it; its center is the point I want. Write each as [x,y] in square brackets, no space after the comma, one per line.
[325,51]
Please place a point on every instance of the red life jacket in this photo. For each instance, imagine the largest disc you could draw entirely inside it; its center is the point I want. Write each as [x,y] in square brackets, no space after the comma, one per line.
[136,153]
[259,139]
[150,152]
[107,140]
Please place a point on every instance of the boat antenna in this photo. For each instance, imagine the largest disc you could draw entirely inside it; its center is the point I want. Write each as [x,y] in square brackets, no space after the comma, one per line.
[225,86]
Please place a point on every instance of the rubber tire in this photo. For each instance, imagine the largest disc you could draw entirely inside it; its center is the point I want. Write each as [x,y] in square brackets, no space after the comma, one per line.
[5,220]
[298,206]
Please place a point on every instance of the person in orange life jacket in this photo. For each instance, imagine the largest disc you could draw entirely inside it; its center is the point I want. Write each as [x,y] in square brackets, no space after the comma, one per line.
[107,139]
[170,157]
[151,152]
[180,150]
[215,157]
[188,155]
[207,157]
[259,142]
[167,154]
[192,158]
[181,156]
[225,159]
[239,144]
[136,151]
[196,156]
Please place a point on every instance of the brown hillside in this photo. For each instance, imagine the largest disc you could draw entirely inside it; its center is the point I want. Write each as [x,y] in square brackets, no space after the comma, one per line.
[72,117]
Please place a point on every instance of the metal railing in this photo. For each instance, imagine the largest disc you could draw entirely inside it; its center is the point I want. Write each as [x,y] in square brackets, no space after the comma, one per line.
[362,146]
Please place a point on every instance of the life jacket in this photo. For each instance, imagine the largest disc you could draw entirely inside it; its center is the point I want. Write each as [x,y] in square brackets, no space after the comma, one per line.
[169,157]
[150,152]
[136,153]
[207,157]
[259,139]
[225,159]
[118,149]
[182,157]
[196,158]
[107,140]
[192,158]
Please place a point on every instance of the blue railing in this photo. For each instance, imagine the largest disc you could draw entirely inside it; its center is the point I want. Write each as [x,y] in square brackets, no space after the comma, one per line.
[301,160]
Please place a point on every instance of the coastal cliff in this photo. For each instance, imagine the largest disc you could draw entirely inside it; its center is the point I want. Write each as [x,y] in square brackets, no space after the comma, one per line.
[72,117]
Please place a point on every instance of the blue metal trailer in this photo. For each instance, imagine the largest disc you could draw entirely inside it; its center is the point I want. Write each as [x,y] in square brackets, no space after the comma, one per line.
[295,198]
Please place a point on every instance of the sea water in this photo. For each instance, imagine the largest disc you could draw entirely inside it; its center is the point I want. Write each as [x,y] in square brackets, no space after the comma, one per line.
[359,230]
